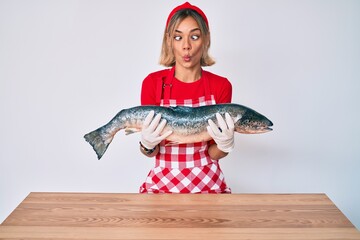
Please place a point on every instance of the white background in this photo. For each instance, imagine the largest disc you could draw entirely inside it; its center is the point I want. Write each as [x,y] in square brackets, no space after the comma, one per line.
[67,67]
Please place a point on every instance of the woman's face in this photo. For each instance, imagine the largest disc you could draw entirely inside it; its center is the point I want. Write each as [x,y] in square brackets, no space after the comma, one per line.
[187,44]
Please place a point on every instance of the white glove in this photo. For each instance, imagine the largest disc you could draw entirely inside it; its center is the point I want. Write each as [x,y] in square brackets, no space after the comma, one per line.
[150,132]
[223,134]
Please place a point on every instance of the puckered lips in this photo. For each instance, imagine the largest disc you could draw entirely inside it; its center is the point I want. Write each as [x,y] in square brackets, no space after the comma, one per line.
[187,58]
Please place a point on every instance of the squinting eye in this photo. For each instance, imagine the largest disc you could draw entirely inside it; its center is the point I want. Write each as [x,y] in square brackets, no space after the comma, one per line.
[195,37]
[177,38]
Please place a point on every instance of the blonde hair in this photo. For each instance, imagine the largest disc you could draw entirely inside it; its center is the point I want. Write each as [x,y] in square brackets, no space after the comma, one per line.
[167,57]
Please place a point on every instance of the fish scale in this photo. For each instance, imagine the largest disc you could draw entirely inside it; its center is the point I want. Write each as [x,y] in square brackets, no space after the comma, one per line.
[188,124]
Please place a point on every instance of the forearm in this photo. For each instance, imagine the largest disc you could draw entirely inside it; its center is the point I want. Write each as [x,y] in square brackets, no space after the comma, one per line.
[215,153]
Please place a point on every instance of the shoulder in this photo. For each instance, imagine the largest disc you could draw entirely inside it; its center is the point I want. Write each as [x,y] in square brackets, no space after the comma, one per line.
[150,87]
[156,75]
[152,79]
[217,80]
[220,87]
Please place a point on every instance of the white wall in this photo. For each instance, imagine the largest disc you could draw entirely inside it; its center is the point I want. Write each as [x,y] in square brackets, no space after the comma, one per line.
[67,67]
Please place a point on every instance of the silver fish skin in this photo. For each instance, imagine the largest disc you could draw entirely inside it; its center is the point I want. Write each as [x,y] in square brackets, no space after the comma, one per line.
[188,124]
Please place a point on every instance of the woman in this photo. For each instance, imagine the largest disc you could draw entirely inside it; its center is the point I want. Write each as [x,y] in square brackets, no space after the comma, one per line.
[186,168]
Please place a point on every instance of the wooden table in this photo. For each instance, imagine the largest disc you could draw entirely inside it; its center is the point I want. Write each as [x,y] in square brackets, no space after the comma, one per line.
[177,216]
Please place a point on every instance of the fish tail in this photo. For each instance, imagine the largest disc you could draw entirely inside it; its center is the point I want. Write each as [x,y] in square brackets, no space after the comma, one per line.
[99,141]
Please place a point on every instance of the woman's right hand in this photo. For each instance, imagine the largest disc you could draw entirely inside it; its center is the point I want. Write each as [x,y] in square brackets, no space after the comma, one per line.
[151,130]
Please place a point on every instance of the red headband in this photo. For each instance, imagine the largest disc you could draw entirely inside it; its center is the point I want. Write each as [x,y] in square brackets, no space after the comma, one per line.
[187,6]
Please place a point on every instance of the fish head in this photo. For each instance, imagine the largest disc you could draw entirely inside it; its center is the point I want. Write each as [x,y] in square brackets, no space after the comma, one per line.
[252,122]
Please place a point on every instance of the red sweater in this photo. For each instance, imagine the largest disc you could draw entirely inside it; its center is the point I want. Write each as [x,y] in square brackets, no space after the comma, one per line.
[220,87]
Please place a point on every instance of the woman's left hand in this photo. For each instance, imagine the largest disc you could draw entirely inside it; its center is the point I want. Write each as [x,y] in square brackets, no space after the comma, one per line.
[223,134]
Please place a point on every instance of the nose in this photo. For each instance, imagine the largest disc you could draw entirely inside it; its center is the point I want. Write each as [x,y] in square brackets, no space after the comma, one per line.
[186,44]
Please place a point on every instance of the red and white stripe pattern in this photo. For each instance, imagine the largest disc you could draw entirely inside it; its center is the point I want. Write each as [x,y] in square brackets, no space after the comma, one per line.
[202,101]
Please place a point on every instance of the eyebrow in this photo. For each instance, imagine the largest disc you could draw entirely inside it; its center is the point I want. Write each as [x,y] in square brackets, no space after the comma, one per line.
[193,30]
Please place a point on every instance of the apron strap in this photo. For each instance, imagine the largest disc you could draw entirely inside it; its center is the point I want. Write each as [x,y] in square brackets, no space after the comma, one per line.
[159,88]
[206,83]
[167,84]
[163,86]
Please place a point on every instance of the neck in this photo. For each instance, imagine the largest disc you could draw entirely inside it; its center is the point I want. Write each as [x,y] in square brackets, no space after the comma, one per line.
[188,75]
